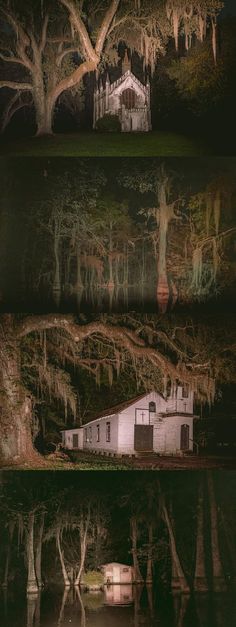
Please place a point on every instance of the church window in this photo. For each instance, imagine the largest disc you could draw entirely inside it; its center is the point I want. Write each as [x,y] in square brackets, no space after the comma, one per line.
[108,432]
[152,407]
[185,390]
[128,98]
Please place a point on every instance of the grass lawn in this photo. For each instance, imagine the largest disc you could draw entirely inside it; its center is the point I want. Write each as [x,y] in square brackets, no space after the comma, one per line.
[85,460]
[154,144]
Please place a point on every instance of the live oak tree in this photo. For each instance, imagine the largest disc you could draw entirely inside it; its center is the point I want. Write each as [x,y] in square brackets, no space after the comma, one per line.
[37,350]
[48,49]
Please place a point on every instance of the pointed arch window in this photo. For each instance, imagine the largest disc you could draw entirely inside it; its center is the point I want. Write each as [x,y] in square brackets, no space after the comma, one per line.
[128,98]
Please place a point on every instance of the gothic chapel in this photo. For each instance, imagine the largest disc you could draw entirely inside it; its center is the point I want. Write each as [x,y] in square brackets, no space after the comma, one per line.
[127,98]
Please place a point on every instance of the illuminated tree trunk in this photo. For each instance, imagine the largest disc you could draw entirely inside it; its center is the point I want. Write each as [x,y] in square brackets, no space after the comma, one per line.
[218,578]
[61,556]
[166,214]
[84,526]
[38,550]
[43,110]
[15,402]
[134,539]
[32,586]
[162,286]
[178,577]
[200,578]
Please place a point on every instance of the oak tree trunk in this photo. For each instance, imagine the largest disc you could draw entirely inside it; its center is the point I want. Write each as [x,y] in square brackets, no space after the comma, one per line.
[43,109]
[15,401]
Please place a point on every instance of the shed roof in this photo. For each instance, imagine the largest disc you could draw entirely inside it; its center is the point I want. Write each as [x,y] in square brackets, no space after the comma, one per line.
[115,564]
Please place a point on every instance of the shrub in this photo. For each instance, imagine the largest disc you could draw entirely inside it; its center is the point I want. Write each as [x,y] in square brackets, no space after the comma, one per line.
[92,578]
[109,123]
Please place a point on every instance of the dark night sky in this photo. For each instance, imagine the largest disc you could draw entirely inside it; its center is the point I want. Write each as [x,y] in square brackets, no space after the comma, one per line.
[230,7]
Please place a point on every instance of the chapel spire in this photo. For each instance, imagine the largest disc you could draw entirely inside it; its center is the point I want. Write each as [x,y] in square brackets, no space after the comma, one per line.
[126,63]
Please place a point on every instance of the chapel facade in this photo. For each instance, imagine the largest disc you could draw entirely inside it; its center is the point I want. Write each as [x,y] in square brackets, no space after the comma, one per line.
[127,98]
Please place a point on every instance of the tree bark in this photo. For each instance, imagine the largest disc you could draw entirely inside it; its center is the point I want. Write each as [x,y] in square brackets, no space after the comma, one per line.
[200,578]
[134,539]
[178,577]
[32,586]
[15,402]
[43,105]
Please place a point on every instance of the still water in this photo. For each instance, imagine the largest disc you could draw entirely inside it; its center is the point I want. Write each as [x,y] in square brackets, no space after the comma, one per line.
[118,606]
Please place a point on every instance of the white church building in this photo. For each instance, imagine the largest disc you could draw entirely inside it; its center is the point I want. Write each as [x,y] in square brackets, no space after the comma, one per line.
[127,98]
[145,424]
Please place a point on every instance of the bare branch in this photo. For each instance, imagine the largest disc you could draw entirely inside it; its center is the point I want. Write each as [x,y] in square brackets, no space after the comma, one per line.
[105,25]
[14,105]
[81,30]
[16,85]
[22,39]
[44,34]
[12,59]
[64,53]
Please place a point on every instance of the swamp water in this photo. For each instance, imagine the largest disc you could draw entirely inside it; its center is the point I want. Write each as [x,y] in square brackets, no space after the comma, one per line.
[116,606]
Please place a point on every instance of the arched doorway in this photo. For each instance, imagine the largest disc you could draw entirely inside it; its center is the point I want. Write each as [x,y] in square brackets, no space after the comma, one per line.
[184,437]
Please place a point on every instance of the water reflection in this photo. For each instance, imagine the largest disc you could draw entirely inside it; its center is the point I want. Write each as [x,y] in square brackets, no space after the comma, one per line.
[117,606]
[119,594]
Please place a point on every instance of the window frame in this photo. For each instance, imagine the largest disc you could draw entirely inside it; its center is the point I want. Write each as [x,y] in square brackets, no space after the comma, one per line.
[108,431]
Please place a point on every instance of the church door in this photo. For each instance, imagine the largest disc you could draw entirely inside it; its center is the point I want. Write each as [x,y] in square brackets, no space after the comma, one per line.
[184,437]
[143,438]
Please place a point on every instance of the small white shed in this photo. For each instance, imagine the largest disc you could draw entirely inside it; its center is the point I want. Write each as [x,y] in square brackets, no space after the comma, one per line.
[73,438]
[147,423]
[116,573]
